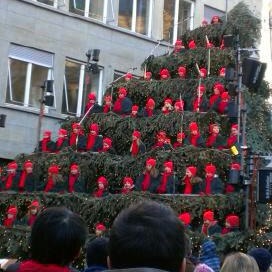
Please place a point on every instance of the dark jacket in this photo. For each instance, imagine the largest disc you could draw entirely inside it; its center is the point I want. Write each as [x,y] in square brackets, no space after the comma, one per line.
[50,145]
[30,183]
[98,144]
[200,141]
[171,187]
[64,144]
[95,109]
[15,183]
[154,183]
[126,106]
[95,268]
[79,185]
[81,143]
[217,186]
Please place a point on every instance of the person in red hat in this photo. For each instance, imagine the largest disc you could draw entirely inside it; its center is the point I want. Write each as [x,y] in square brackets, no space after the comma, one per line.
[210,225]
[232,224]
[179,142]
[185,219]
[102,187]
[75,182]
[194,138]
[134,111]
[162,141]
[212,183]
[233,138]
[148,110]
[216,20]
[167,183]
[92,105]
[218,89]
[100,230]
[182,72]
[11,217]
[149,179]
[128,185]
[222,105]
[148,76]
[164,74]
[178,46]
[107,104]
[94,140]
[209,45]
[167,107]
[128,77]
[123,104]
[62,140]
[203,72]
[192,44]
[179,106]
[215,140]
[107,146]
[32,214]
[222,72]
[27,179]
[77,138]
[192,183]
[137,146]
[54,183]
[200,104]
[204,23]
[46,144]
[11,179]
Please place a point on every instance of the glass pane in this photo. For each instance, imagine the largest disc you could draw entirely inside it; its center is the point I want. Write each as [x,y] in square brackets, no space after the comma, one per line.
[38,76]
[142,16]
[48,2]
[17,78]
[184,17]
[72,74]
[96,9]
[125,13]
[77,6]
[168,19]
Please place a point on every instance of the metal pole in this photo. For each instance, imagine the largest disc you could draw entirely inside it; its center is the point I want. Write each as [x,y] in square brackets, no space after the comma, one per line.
[226,10]
[39,127]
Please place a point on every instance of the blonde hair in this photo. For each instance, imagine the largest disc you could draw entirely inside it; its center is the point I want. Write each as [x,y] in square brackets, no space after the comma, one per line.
[239,262]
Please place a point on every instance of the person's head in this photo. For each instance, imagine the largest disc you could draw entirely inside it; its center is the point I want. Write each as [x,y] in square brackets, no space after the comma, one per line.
[76,127]
[161,136]
[92,98]
[180,137]
[100,229]
[239,262]
[107,143]
[34,207]
[201,90]
[147,75]
[12,167]
[128,183]
[122,92]
[214,129]
[218,88]
[136,135]
[62,133]
[208,217]
[74,169]
[28,167]
[234,130]
[210,170]
[232,221]
[150,164]
[263,258]
[168,102]
[191,171]
[96,252]
[134,110]
[47,134]
[102,183]
[94,129]
[137,241]
[150,104]
[168,167]
[57,236]
[12,212]
[193,128]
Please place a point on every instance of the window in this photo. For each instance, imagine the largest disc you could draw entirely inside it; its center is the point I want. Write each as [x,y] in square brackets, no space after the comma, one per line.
[78,83]
[135,15]
[209,12]
[96,9]
[177,18]
[47,2]
[28,68]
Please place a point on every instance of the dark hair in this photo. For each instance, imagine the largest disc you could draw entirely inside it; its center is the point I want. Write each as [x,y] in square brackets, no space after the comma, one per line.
[57,236]
[148,234]
[97,252]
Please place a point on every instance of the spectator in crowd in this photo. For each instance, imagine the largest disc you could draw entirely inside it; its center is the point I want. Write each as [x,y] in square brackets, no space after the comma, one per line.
[209,256]
[239,262]
[203,268]
[96,255]
[57,237]
[263,258]
[137,241]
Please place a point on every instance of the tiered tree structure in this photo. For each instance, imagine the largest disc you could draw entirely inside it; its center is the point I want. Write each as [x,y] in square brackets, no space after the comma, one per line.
[116,167]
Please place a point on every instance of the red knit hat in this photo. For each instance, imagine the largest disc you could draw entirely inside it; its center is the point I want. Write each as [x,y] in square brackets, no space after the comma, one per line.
[34,204]
[107,98]
[12,210]
[147,75]
[161,134]
[235,126]
[169,164]
[128,180]
[222,71]
[107,141]
[192,169]
[12,165]
[201,88]
[102,180]
[122,90]
[210,168]
[150,103]
[135,108]
[151,162]
[74,166]
[63,132]
[53,169]
[164,73]
[94,127]
[178,42]
[100,226]
[235,166]
[192,44]
[208,215]
[219,86]
[225,96]
[76,126]
[28,164]
[203,72]
[182,70]
[185,218]
[181,135]
[233,220]
[179,104]
[193,126]
[128,76]
[168,100]
[92,96]
[137,134]
[47,133]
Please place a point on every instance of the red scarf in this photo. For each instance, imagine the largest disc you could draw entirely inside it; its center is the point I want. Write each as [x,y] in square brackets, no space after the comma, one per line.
[149,112]
[222,106]
[225,230]
[177,144]
[197,103]
[73,138]
[165,111]
[146,182]
[99,193]
[208,185]
[106,108]
[162,188]
[188,186]
[90,141]
[89,106]
[71,182]
[8,222]
[9,181]
[134,148]
[22,180]
[59,142]
[49,185]
[33,266]
[213,99]
[117,107]
[211,140]
[194,138]
[158,144]
[125,191]
[31,219]
[44,144]
[204,229]
[232,140]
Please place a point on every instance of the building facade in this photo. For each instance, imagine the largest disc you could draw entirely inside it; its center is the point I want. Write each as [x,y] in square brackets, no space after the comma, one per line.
[48,40]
